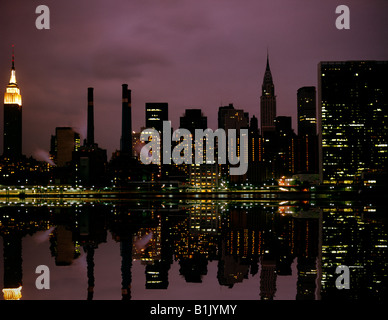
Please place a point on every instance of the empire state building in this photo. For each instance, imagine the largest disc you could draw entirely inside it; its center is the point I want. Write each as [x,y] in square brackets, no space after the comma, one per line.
[12,118]
[267,102]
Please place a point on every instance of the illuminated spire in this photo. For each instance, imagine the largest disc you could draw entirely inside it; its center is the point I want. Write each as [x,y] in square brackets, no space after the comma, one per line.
[13,72]
[12,94]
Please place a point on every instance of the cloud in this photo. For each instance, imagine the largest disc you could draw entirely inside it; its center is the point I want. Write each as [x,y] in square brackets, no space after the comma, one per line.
[186,52]
[118,62]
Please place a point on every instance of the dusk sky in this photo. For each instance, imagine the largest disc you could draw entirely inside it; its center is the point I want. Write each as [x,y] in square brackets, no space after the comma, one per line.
[191,54]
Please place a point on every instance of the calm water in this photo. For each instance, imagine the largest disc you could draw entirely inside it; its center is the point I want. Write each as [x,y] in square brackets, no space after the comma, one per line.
[193,249]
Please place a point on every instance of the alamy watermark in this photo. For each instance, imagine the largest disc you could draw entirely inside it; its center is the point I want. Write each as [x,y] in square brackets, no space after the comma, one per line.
[343,280]
[343,20]
[43,280]
[43,20]
[228,144]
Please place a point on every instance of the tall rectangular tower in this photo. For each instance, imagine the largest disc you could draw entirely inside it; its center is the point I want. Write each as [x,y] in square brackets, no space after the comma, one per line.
[90,129]
[156,113]
[352,118]
[12,117]
[307,141]
[307,119]
[126,121]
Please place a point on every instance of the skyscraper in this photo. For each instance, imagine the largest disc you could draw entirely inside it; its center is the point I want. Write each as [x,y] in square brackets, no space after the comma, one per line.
[204,176]
[12,117]
[235,119]
[267,102]
[256,167]
[90,129]
[255,143]
[307,111]
[126,118]
[222,113]
[352,118]
[283,157]
[156,113]
[306,153]
[231,118]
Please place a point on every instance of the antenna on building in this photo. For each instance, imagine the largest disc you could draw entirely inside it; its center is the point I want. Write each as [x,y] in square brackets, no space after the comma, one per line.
[13,56]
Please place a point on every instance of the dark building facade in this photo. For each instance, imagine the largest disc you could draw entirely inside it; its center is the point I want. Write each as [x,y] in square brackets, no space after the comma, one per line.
[193,119]
[306,144]
[222,113]
[65,141]
[126,118]
[283,161]
[90,129]
[352,119]
[307,115]
[231,118]
[257,168]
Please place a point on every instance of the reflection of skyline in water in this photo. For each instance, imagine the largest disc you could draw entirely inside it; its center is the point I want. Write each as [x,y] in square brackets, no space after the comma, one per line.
[254,243]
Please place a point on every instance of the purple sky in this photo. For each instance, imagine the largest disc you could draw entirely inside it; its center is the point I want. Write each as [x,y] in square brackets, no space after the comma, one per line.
[191,54]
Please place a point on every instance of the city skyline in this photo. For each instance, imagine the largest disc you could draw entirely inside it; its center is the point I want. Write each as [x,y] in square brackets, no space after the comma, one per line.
[360,92]
[207,149]
[215,66]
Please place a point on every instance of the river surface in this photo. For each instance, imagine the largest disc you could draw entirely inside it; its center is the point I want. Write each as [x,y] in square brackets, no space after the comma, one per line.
[176,249]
